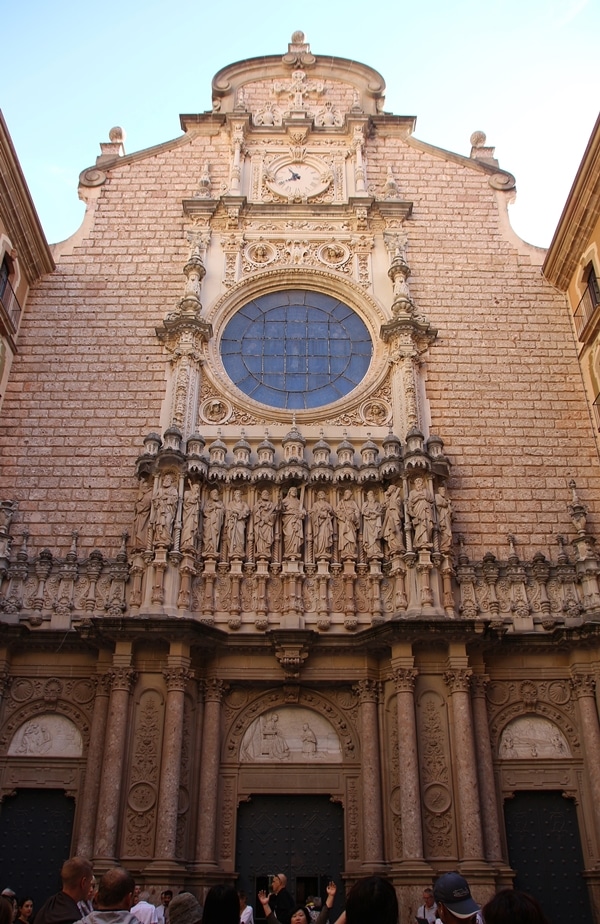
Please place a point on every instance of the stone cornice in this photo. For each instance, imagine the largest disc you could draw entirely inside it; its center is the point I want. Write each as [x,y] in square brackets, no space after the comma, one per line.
[579,216]
[19,214]
[498,178]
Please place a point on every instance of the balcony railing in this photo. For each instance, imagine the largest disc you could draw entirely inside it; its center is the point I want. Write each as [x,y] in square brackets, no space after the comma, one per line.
[10,303]
[585,311]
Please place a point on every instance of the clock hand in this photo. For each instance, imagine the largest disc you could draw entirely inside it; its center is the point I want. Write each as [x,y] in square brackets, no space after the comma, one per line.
[294,176]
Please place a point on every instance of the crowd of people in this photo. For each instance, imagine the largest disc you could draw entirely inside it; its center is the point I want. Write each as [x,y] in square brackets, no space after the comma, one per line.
[116,899]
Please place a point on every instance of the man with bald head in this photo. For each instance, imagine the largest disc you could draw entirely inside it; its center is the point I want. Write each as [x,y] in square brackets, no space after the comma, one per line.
[76,875]
[114,899]
[280,900]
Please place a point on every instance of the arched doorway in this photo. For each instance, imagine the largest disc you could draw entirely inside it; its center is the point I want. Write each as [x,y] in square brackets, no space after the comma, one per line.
[299,835]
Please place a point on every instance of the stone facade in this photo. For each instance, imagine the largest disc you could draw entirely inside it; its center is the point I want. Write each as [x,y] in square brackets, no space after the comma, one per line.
[389,597]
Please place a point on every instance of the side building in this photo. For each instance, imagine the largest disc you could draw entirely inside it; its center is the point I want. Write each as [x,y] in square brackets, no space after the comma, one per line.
[299,493]
[573,266]
[24,253]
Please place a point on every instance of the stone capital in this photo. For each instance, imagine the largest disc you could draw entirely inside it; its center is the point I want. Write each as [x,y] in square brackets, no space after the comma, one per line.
[458,681]
[404,679]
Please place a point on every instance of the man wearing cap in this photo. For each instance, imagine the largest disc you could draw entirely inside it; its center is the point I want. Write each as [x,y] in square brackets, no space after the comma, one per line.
[454,900]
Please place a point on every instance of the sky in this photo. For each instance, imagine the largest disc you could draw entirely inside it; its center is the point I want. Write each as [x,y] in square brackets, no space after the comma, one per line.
[523,71]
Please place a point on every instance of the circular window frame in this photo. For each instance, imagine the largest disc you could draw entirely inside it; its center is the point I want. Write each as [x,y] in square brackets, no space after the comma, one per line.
[269,282]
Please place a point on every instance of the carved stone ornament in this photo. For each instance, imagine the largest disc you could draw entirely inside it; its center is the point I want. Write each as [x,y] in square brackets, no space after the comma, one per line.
[50,735]
[260,253]
[216,410]
[333,253]
[376,413]
[92,177]
[291,734]
[530,737]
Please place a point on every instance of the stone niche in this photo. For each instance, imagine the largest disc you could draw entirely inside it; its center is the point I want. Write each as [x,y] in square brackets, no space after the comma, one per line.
[290,735]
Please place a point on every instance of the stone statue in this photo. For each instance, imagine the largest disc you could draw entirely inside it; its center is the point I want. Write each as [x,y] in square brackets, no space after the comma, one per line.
[392,527]
[273,743]
[444,515]
[263,518]
[238,512]
[321,521]
[292,513]
[420,510]
[214,515]
[164,508]
[143,506]
[348,517]
[189,529]
[372,521]
[309,740]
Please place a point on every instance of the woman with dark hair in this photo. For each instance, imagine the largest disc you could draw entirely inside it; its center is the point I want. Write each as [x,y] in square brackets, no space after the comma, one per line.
[221,906]
[6,910]
[300,914]
[513,907]
[24,910]
[372,899]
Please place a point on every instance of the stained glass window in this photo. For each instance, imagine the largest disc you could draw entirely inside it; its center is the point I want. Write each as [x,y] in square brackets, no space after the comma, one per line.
[296,349]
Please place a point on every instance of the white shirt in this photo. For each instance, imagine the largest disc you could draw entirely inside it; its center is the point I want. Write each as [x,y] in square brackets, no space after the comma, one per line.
[247,916]
[145,913]
[430,914]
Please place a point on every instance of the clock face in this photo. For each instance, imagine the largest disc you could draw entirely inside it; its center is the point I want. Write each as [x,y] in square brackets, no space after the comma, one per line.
[298,181]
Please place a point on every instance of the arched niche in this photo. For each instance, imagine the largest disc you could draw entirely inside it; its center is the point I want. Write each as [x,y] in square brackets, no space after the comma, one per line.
[290,734]
[532,736]
[47,735]
[337,740]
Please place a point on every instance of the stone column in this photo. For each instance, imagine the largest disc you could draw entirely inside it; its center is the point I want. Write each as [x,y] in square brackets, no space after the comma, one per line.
[465,765]
[408,760]
[93,768]
[109,803]
[209,776]
[168,797]
[368,694]
[487,788]
[584,686]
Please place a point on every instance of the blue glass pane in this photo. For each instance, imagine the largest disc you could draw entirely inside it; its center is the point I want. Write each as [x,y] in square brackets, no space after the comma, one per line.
[296,349]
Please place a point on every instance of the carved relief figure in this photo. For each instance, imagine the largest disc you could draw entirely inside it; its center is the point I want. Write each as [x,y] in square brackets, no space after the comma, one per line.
[391,530]
[309,740]
[420,509]
[214,515]
[321,521]
[164,509]
[532,736]
[372,517]
[36,739]
[189,529]
[348,517]
[143,506]
[238,512]
[263,517]
[293,524]
[444,515]
[273,741]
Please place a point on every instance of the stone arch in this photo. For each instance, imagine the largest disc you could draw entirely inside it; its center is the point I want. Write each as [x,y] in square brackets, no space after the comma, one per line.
[547,711]
[49,734]
[307,700]
[532,736]
[37,708]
